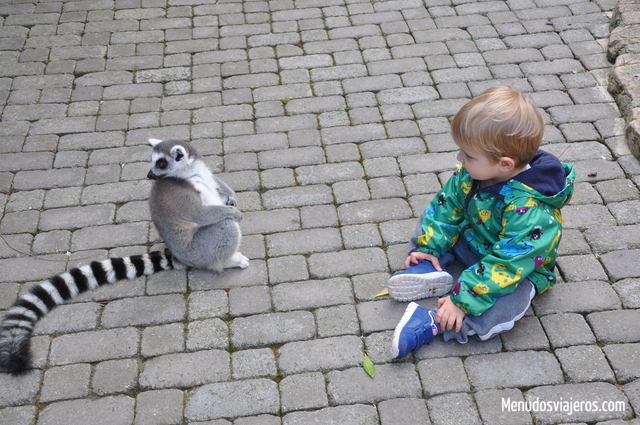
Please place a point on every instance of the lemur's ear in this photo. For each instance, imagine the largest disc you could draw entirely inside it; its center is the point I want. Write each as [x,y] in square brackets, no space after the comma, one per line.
[154,142]
[178,153]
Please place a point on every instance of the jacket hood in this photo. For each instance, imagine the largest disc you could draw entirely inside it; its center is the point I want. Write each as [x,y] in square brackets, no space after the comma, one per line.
[548,180]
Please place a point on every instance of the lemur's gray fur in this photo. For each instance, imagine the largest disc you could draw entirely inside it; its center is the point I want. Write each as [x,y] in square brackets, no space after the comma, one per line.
[193,210]
[195,214]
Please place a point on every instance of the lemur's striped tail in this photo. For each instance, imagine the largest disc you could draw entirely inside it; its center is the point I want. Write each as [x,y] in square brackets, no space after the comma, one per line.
[20,320]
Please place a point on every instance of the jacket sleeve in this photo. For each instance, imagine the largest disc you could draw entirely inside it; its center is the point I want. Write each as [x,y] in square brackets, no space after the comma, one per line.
[529,240]
[439,225]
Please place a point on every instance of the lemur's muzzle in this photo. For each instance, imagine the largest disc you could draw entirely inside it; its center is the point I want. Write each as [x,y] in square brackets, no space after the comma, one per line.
[152,176]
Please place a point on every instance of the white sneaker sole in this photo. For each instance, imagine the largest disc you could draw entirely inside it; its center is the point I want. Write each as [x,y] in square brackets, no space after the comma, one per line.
[409,287]
[395,351]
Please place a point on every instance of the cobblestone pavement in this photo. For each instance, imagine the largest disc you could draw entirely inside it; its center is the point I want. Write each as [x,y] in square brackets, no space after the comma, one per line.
[330,120]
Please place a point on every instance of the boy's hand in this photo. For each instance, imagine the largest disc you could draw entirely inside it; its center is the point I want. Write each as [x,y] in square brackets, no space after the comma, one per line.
[449,316]
[416,257]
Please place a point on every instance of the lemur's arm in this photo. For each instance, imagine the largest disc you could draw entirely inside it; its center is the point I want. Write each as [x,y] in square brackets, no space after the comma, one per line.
[226,193]
[206,215]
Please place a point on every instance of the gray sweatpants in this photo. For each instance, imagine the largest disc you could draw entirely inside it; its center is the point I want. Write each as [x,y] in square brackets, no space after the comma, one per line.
[504,313]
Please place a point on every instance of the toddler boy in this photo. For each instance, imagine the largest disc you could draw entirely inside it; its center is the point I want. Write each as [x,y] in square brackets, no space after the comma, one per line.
[499,214]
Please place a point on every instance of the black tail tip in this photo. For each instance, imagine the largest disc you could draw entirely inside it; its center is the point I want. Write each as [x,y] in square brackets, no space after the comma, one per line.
[16,362]
[15,366]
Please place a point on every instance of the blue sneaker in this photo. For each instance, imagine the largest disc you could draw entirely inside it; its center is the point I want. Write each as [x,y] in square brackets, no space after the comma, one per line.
[420,280]
[416,328]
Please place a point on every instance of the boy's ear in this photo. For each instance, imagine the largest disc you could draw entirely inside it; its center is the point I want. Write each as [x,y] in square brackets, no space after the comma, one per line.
[506,163]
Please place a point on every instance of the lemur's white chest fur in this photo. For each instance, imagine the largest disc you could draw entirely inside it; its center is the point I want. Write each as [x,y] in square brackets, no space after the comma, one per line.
[204,183]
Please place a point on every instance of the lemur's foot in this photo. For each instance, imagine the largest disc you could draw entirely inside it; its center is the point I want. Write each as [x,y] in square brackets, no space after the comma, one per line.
[237,260]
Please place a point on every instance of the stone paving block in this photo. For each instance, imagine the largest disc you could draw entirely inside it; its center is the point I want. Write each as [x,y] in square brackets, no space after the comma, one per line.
[518,369]
[69,318]
[627,290]
[265,222]
[588,395]
[605,239]
[292,123]
[584,364]
[347,263]
[251,420]
[355,386]
[576,268]
[404,411]
[295,197]
[249,300]
[162,407]
[66,177]
[255,274]
[494,407]
[453,408]
[621,264]
[256,363]
[632,391]
[109,236]
[567,329]
[432,163]
[582,113]
[617,190]
[114,410]
[258,330]
[379,315]
[615,326]
[329,173]
[320,355]
[304,391]
[527,334]
[361,236]
[20,222]
[287,269]
[16,391]
[373,211]
[144,311]
[573,243]
[304,242]
[339,320]
[441,376]
[392,147]
[185,369]
[115,377]
[21,415]
[583,216]
[66,382]
[576,297]
[232,400]
[625,212]
[355,414]
[94,346]
[171,281]
[164,339]
[585,193]
[207,334]
[353,134]
[311,294]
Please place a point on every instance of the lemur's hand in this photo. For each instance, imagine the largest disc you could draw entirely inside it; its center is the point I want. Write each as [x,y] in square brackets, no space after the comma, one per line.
[230,201]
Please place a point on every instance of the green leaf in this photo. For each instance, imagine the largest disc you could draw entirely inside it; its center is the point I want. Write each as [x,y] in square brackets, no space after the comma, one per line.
[368,366]
[382,293]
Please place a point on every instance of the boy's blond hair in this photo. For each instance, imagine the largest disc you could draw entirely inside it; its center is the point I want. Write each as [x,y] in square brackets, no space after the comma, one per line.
[499,122]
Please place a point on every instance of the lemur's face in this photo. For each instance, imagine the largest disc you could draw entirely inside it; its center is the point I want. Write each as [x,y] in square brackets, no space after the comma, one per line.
[168,159]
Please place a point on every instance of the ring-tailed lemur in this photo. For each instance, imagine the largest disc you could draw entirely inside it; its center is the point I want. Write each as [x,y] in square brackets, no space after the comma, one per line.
[194,213]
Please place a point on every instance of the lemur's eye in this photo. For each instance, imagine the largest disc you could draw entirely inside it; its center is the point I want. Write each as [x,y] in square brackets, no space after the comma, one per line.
[161,164]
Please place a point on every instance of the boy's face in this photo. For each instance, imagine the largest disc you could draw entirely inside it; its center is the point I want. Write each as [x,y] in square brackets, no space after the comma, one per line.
[479,166]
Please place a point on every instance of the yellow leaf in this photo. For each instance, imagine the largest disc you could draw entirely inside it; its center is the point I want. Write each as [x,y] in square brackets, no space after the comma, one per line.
[368,366]
[382,293]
